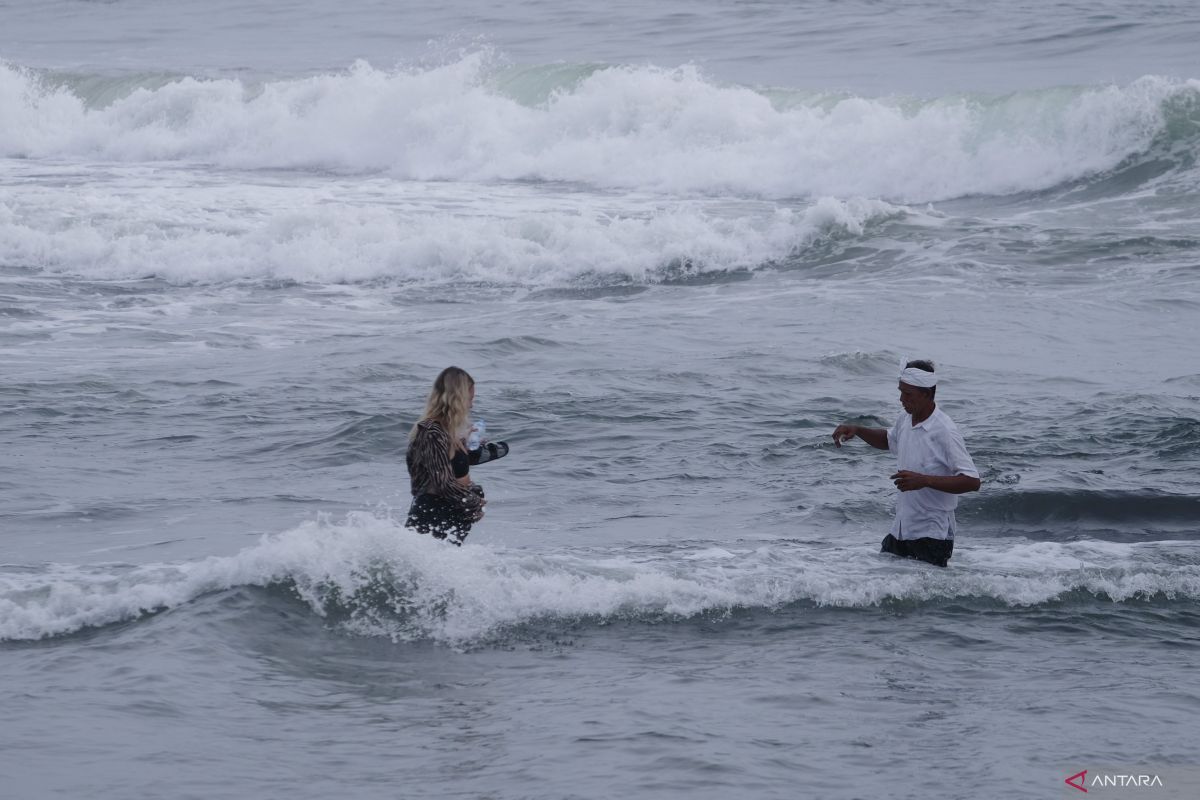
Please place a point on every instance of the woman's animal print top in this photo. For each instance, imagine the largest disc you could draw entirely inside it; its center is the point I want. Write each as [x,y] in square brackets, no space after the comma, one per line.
[429,467]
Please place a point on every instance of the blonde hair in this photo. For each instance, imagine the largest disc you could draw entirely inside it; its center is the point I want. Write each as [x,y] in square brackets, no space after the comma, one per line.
[449,404]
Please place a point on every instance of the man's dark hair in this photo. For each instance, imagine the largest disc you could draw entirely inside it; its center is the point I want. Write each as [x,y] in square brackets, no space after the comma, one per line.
[927,366]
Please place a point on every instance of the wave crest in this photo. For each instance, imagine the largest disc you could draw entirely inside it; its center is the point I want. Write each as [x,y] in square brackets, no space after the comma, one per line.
[313,241]
[369,576]
[629,128]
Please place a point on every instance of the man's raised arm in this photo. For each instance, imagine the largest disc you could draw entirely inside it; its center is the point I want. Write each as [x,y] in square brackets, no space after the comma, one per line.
[876,437]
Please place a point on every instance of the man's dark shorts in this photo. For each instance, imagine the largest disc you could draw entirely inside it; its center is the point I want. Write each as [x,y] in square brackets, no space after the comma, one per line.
[933,551]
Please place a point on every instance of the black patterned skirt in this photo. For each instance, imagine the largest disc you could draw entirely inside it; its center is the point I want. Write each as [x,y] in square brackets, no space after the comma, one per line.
[441,517]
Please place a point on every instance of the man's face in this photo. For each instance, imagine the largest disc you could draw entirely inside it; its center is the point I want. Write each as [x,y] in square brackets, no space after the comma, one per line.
[914,399]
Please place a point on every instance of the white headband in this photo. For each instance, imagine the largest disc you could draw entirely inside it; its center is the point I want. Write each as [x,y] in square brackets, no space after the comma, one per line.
[918,377]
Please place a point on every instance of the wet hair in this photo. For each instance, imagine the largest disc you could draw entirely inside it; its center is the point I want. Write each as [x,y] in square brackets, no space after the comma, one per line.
[449,403]
[927,366]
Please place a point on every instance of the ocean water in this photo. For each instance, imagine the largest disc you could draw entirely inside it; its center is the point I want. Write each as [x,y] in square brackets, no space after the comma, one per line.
[676,244]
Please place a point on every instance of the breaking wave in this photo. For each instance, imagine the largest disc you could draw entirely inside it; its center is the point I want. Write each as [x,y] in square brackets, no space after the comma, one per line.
[625,128]
[368,576]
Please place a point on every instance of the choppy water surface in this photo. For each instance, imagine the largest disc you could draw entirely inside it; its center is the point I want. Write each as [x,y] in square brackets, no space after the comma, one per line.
[676,246]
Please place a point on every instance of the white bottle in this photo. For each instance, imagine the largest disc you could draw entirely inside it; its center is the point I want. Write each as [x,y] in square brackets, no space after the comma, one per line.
[475,437]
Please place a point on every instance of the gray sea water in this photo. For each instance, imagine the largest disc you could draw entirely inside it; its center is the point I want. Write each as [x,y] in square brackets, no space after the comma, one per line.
[676,244]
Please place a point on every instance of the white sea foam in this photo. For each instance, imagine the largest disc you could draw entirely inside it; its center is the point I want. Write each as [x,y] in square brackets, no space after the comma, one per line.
[457,173]
[498,235]
[369,576]
[645,128]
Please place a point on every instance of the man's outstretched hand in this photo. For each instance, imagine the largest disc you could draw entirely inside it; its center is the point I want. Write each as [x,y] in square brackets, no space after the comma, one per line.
[844,433]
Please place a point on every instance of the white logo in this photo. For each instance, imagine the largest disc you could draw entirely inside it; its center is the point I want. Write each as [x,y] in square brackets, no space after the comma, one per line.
[1079,781]
[1126,781]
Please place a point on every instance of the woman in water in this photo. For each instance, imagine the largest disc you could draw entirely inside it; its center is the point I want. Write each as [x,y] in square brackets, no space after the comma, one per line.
[445,500]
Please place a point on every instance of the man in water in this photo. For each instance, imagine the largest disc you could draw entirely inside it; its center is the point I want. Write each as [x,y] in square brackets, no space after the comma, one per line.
[934,468]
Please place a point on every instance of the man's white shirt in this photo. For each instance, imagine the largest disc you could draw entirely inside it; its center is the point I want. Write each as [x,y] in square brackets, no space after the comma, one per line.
[932,447]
